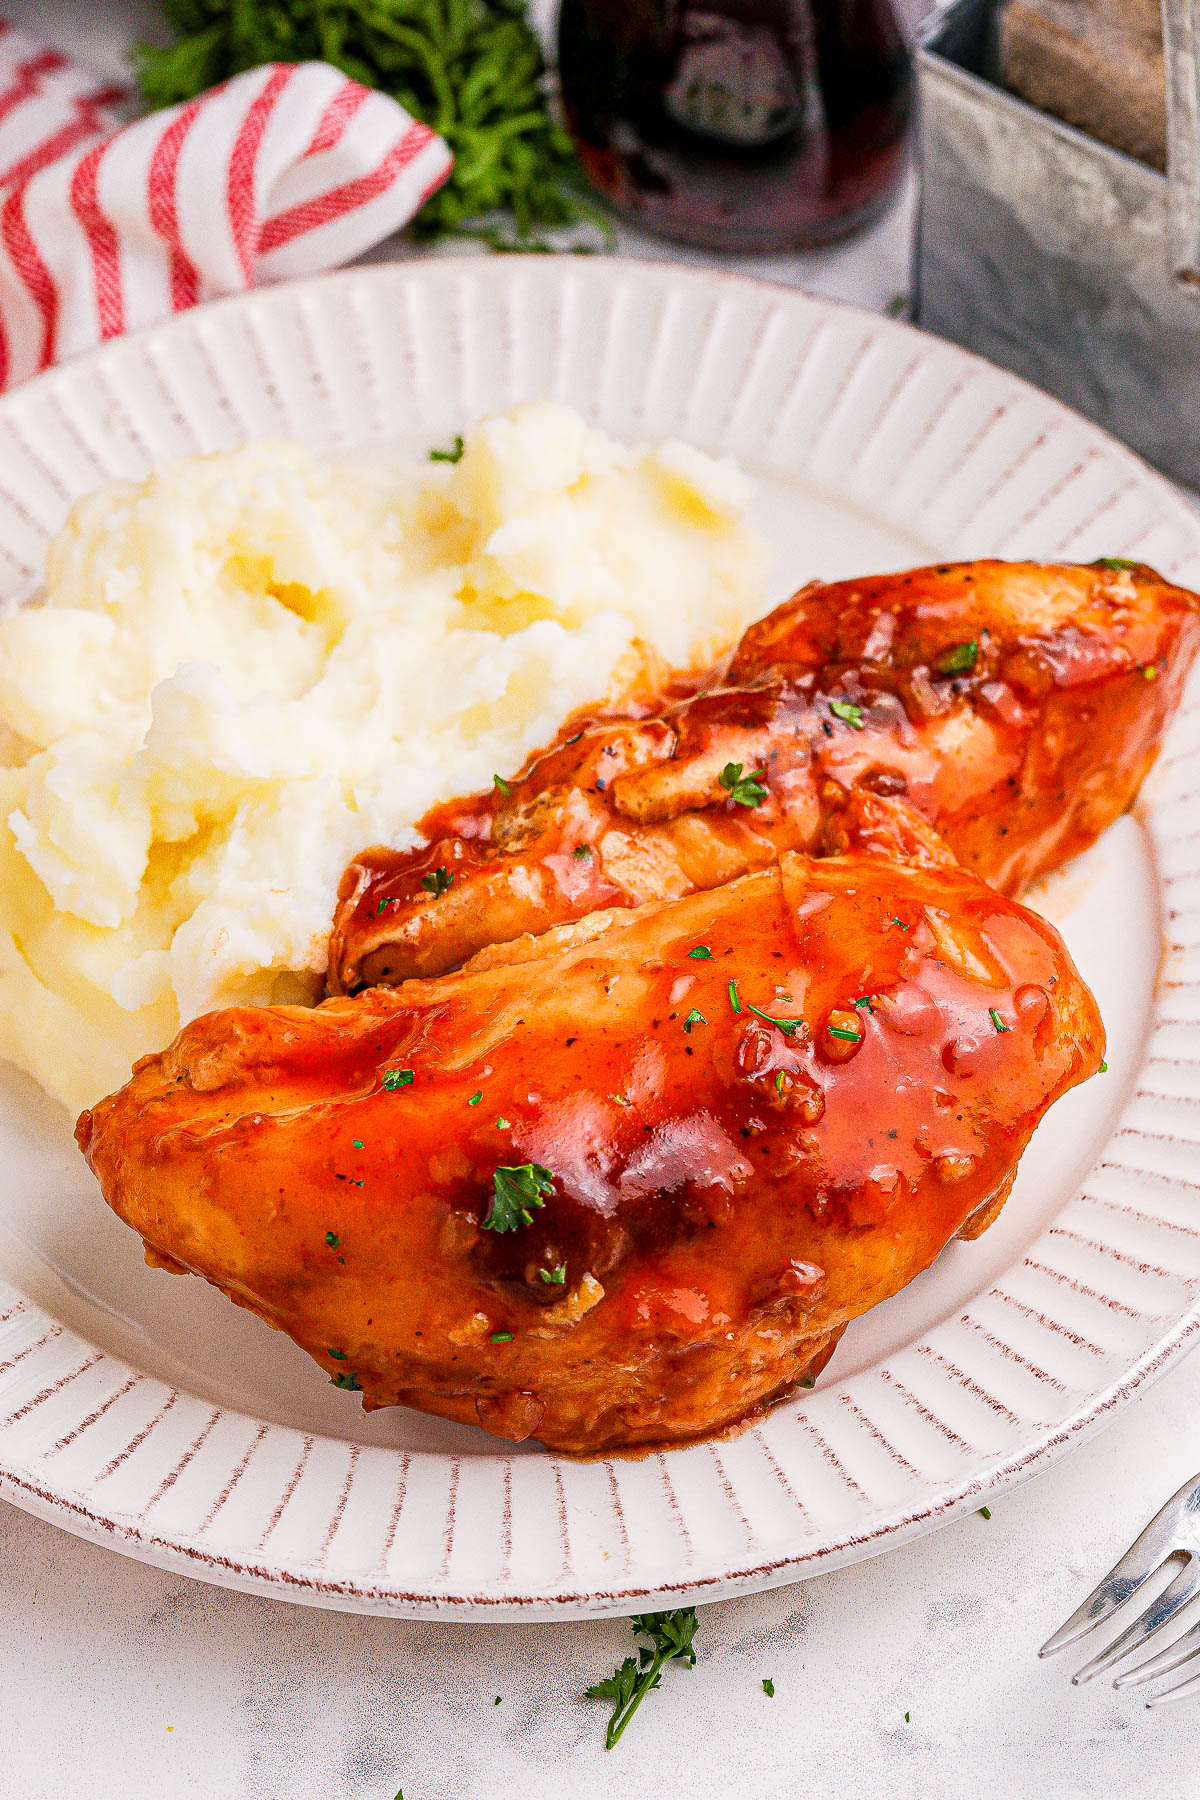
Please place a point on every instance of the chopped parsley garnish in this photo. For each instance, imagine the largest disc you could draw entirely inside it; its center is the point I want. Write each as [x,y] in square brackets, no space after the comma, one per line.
[734,1002]
[900,922]
[768,1687]
[865,1000]
[332,1239]
[583,852]
[388,900]
[701,953]
[779,1081]
[670,1635]
[503,1124]
[516,1192]
[554,1277]
[747,790]
[906,1719]
[347,1382]
[621,1099]
[1113,562]
[437,880]
[499,782]
[357,1142]
[808,1381]
[501,1337]
[398,1078]
[1150,671]
[850,1037]
[789,1027]
[961,660]
[985,1512]
[694,1018]
[573,740]
[337,1355]
[997,1021]
[450,456]
[476,1097]
[847,710]
[1103,1070]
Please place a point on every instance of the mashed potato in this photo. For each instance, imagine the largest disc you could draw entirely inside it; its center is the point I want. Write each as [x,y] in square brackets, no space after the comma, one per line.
[254,665]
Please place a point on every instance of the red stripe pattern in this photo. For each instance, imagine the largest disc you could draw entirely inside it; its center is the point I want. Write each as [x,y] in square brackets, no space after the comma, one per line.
[336,117]
[335,203]
[282,171]
[24,77]
[103,246]
[164,213]
[32,273]
[240,196]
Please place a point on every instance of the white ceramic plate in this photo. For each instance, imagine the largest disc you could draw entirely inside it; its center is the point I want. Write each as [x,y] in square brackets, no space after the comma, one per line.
[150,1414]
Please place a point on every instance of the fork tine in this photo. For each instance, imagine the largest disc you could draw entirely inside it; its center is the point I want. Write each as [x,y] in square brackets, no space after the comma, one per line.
[1182,1690]
[1143,1557]
[1181,1650]
[1161,1610]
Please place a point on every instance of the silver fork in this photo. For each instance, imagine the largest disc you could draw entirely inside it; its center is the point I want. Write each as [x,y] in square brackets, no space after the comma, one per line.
[1171,1534]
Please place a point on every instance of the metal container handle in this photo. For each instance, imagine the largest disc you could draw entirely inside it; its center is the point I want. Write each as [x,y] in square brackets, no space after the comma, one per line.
[1181,54]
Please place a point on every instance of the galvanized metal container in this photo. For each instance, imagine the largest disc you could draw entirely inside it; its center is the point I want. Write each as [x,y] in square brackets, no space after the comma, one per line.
[1056,256]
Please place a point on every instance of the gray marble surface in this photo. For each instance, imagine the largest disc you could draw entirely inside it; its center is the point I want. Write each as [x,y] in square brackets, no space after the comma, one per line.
[124,1683]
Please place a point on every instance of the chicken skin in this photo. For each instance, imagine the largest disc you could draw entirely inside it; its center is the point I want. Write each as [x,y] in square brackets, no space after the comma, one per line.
[624,1185]
[1015,707]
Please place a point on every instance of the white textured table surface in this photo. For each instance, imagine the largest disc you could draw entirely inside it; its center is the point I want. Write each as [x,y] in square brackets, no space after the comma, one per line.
[123,1683]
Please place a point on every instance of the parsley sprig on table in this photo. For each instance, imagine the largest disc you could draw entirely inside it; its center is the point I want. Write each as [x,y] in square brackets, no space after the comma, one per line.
[471,69]
[670,1635]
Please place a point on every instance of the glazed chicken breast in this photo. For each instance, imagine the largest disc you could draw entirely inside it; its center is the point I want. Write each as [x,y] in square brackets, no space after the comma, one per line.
[623,1186]
[1014,707]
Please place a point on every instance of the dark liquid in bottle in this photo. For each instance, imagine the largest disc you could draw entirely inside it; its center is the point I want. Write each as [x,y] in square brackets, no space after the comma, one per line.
[738,124]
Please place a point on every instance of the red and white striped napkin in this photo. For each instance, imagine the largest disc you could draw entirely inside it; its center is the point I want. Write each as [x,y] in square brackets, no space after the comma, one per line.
[285,170]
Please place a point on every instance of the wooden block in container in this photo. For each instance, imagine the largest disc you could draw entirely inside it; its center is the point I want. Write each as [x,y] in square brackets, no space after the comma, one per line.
[1098,64]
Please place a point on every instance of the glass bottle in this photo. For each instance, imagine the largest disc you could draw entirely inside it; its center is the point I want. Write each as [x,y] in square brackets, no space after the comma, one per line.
[751,125]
